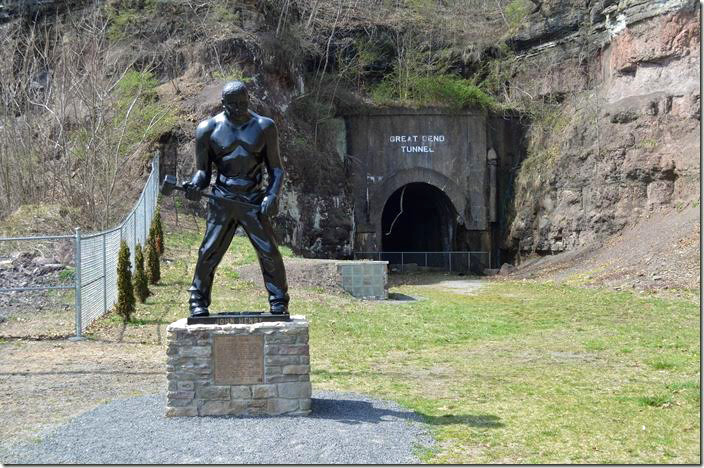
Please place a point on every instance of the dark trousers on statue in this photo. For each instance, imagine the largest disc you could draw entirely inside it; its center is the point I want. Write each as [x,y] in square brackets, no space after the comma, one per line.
[223,220]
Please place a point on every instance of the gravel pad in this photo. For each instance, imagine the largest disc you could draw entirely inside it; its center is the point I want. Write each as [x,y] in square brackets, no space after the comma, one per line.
[342,428]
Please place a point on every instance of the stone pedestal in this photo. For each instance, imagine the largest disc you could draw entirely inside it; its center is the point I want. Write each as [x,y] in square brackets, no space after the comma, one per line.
[238,369]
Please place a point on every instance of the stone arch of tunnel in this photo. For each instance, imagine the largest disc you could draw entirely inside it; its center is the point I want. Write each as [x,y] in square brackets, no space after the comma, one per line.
[418,217]
[434,182]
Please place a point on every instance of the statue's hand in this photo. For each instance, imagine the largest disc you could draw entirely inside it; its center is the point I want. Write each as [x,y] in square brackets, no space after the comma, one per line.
[193,193]
[268,206]
[197,184]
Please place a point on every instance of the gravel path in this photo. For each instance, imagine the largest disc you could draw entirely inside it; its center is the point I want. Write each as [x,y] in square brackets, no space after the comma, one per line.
[343,428]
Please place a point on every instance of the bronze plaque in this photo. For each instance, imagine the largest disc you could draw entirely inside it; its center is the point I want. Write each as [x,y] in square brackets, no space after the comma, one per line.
[238,360]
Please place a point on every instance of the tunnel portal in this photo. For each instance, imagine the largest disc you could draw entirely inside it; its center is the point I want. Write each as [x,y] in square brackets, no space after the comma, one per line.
[418,217]
[457,168]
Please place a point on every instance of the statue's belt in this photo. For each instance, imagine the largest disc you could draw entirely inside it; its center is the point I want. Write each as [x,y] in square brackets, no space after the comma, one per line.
[234,201]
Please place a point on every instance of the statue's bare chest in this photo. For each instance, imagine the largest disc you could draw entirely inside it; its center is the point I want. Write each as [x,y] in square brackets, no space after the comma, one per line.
[229,142]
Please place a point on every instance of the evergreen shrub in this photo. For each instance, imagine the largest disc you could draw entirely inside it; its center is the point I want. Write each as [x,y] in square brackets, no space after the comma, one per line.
[141,285]
[125,295]
[153,267]
[158,232]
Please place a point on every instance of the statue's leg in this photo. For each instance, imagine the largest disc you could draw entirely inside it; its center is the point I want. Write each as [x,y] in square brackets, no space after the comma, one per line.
[261,234]
[220,229]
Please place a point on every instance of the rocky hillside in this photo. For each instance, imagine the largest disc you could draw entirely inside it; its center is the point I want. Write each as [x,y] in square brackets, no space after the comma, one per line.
[622,140]
[608,90]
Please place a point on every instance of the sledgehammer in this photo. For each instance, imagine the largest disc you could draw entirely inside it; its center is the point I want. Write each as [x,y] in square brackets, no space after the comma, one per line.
[170,184]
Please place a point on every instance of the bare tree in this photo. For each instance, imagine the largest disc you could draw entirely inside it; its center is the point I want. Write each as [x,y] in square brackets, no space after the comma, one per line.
[73,119]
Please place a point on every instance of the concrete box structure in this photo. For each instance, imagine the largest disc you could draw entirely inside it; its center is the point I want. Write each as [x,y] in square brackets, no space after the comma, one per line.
[238,369]
[365,279]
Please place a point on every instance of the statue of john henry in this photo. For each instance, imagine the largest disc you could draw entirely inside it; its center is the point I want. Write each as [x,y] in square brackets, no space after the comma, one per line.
[240,144]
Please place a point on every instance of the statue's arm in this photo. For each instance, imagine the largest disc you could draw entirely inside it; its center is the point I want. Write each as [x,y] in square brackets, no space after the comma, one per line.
[272,159]
[274,166]
[203,160]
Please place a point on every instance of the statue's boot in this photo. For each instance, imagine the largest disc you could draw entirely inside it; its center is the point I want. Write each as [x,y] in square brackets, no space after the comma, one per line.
[197,304]
[278,308]
[199,311]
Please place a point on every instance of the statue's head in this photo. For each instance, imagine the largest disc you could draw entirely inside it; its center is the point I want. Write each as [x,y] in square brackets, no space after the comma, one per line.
[235,99]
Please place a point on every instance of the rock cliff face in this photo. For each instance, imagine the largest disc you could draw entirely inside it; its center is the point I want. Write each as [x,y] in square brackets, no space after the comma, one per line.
[624,140]
[619,139]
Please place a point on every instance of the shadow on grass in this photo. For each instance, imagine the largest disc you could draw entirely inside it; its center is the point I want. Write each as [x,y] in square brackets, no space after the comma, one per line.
[358,412]
[156,321]
[176,282]
[401,297]
[473,420]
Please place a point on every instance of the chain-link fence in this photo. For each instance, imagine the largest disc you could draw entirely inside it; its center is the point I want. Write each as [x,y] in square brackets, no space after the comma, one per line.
[94,277]
[460,261]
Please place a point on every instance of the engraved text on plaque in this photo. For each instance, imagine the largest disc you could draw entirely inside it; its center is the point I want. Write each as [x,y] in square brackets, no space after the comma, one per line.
[238,360]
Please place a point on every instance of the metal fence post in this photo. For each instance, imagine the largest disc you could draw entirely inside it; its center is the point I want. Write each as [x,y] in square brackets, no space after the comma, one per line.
[401,262]
[134,231]
[77,279]
[144,208]
[426,259]
[105,276]
[449,258]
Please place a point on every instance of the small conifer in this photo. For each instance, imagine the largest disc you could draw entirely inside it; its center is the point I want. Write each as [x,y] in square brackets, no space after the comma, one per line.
[125,295]
[141,286]
[158,232]
[153,267]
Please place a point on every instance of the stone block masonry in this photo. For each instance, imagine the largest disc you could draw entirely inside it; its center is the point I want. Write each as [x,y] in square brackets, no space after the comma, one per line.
[238,369]
[365,279]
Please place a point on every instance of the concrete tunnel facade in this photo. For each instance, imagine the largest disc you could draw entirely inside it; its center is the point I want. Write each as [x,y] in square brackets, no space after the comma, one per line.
[431,180]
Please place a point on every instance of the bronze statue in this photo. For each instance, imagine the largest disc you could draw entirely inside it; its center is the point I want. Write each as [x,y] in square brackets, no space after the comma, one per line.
[240,143]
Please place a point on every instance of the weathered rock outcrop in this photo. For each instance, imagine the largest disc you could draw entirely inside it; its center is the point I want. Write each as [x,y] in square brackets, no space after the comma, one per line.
[617,139]
[624,140]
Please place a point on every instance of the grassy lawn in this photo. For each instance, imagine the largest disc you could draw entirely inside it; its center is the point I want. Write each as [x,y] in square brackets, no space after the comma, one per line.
[520,372]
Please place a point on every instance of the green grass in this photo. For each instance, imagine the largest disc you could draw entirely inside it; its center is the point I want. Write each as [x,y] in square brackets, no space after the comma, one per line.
[232,73]
[515,12]
[662,363]
[657,400]
[526,373]
[445,90]
[521,372]
[67,274]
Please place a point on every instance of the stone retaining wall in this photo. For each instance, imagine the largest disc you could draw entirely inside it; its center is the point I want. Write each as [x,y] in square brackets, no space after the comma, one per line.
[238,369]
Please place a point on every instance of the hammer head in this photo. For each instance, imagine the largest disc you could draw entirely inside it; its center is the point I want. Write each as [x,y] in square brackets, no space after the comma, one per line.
[168,185]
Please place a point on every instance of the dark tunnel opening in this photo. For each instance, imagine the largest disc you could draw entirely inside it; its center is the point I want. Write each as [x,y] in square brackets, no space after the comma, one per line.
[418,217]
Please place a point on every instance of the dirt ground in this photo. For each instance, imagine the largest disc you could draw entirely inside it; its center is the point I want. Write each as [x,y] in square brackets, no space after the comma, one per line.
[660,254]
[43,383]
